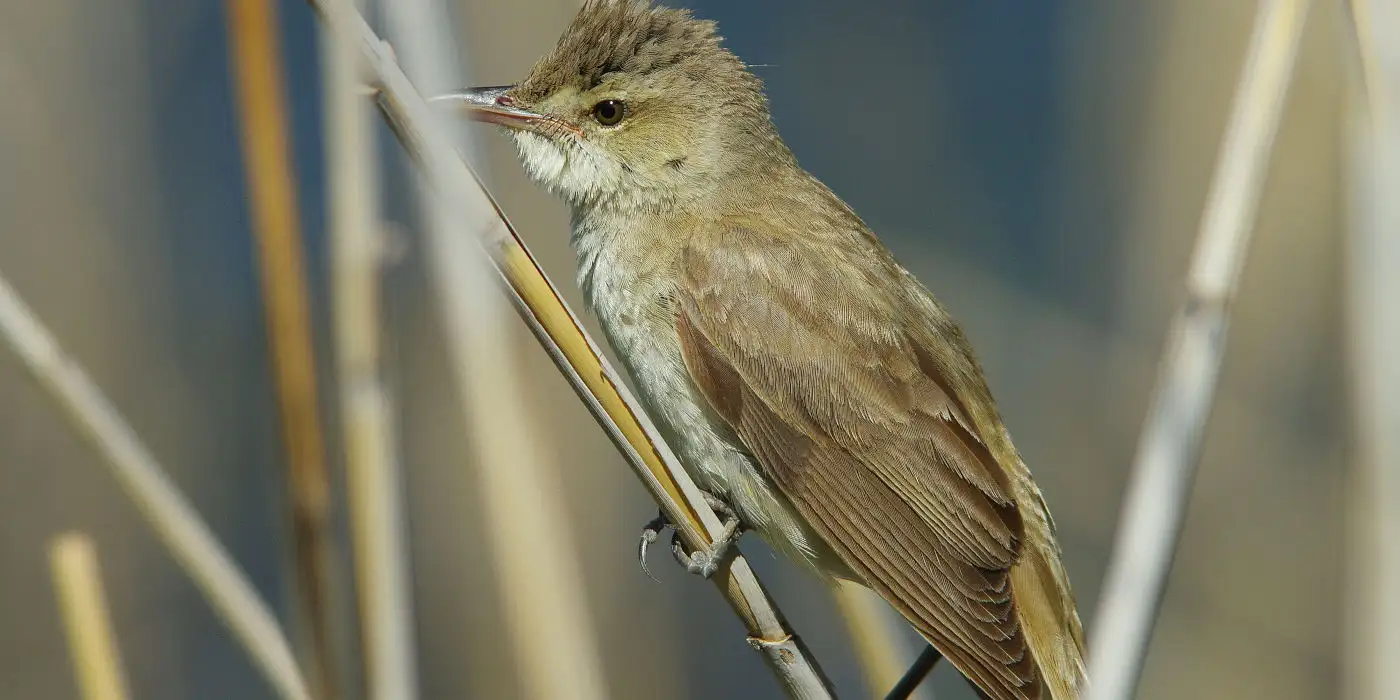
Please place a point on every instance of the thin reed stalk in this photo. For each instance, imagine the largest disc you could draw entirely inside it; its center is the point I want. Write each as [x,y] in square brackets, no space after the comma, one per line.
[371,441]
[1372,632]
[534,557]
[77,578]
[258,70]
[1170,444]
[172,518]
[597,383]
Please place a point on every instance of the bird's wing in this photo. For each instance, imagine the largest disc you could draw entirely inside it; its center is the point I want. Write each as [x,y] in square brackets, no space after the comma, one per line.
[803,352]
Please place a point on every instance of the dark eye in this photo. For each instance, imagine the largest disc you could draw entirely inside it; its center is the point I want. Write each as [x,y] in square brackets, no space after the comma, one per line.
[609,112]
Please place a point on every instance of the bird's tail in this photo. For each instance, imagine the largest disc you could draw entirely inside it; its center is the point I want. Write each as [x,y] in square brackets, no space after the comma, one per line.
[1051,623]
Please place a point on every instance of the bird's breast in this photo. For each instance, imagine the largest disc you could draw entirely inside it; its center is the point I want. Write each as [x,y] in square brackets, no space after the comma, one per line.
[633,292]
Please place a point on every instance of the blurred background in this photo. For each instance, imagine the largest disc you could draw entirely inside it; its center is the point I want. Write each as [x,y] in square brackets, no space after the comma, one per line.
[1040,166]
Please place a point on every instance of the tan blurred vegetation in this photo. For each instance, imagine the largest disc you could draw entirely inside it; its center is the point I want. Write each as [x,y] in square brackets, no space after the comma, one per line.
[1255,599]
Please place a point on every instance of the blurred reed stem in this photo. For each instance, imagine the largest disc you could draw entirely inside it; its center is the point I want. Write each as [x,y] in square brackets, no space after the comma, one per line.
[77,579]
[1372,632]
[597,383]
[258,71]
[1170,444]
[533,553]
[371,443]
[172,518]
[875,633]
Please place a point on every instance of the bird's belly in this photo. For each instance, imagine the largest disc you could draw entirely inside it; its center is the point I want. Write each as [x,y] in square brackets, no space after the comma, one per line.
[643,334]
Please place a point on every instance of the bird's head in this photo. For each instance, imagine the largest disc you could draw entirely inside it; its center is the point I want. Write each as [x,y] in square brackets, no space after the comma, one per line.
[637,107]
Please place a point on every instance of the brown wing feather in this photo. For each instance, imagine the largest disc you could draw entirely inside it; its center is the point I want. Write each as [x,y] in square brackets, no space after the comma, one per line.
[803,355]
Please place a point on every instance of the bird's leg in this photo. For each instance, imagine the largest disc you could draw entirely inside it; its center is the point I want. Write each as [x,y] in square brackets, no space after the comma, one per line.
[915,675]
[704,562]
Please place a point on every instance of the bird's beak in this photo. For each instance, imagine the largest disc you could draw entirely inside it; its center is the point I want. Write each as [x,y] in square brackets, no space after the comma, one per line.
[493,105]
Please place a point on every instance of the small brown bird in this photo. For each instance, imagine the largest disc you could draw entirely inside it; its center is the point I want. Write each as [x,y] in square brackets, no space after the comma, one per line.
[802,376]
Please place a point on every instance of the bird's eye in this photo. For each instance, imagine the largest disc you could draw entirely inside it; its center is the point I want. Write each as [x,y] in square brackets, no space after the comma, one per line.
[609,112]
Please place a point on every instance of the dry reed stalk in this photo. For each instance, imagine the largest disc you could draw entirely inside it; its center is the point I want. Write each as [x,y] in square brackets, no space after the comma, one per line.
[533,554]
[371,443]
[172,518]
[578,358]
[77,578]
[1170,444]
[1372,631]
[257,68]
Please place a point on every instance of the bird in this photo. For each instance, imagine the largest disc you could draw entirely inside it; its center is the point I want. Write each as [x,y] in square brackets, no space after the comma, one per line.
[810,384]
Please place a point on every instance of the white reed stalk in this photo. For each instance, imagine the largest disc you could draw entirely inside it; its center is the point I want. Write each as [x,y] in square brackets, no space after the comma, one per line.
[1372,634]
[535,557]
[377,521]
[175,522]
[1170,444]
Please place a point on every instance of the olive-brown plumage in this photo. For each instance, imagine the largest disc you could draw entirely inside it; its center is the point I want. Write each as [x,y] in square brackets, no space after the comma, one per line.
[797,370]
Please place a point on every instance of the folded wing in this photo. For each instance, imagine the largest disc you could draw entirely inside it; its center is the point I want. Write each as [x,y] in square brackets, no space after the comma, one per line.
[808,356]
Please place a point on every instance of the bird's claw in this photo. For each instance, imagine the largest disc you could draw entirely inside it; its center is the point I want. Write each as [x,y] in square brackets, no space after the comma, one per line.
[650,532]
[704,562]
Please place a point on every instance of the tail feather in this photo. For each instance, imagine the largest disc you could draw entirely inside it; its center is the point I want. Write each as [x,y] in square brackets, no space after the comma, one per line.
[1050,622]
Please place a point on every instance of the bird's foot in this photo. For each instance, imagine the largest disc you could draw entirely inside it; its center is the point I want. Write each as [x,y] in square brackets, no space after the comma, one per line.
[705,562]
[702,562]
